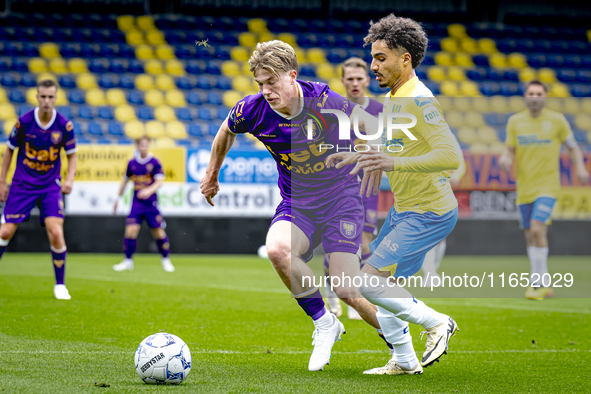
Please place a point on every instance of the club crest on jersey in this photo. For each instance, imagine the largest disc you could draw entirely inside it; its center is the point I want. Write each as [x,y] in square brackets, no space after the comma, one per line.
[371,215]
[348,229]
[56,137]
[149,167]
[432,115]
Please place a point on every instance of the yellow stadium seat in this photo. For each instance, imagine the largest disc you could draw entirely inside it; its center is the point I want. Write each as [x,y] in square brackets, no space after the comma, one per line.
[558,89]
[116,97]
[474,119]
[49,50]
[134,129]
[32,96]
[266,36]
[61,98]
[571,105]
[3,97]
[436,73]
[245,69]
[231,68]
[145,22]
[154,98]
[316,56]
[586,105]
[165,52]
[498,104]
[527,74]
[154,129]
[230,98]
[462,103]
[443,59]
[479,148]
[247,40]
[95,97]
[175,98]
[144,82]
[37,65]
[175,67]
[58,65]
[516,103]
[164,142]
[257,25]
[288,38]
[456,73]
[469,89]
[164,113]
[449,88]
[9,125]
[456,30]
[455,119]
[498,60]
[469,45]
[240,54]
[467,135]
[337,86]
[44,76]
[165,82]
[301,55]
[326,71]
[134,37]
[481,104]
[547,75]
[464,60]
[153,67]
[176,130]
[7,111]
[155,37]
[583,121]
[125,22]
[86,81]
[517,60]
[487,45]
[125,113]
[77,66]
[487,134]
[496,147]
[144,52]
[242,83]
[449,44]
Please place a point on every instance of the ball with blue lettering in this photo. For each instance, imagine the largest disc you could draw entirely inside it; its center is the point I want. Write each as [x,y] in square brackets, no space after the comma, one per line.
[163,359]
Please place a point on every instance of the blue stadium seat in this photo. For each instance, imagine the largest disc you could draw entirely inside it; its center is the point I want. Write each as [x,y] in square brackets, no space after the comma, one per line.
[502,133]
[307,70]
[184,114]
[125,141]
[82,140]
[126,82]
[103,141]
[66,111]
[85,112]
[580,90]
[17,97]
[185,52]
[554,61]
[495,75]
[115,129]
[511,75]
[95,129]
[506,45]
[583,76]
[432,86]
[489,88]
[23,109]
[307,40]
[508,89]
[106,82]
[108,51]
[195,67]
[536,61]
[60,35]
[421,74]
[326,40]
[97,66]
[88,51]
[194,98]
[28,80]
[12,50]
[76,96]
[195,131]
[136,67]
[213,67]
[9,81]
[585,62]
[223,83]
[572,61]
[336,55]
[213,129]
[480,60]
[494,119]
[579,47]
[67,82]
[222,52]
[429,60]
[185,142]
[476,74]
[19,65]
[117,66]
[175,37]
[30,50]
[4,65]
[203,52]
[126,51]
[145,113]
[204,114]
[214,98]
[204,83]
[345,40]
[135,97]
[542,46]
[78,128]
[184,83]
[106,113]
[580,136]
[222,113]
[70,50]
[566,76]
[524,45]
[560,46]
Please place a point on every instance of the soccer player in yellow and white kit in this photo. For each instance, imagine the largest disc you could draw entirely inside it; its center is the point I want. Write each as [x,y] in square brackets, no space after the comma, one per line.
[425,209]
[534,137]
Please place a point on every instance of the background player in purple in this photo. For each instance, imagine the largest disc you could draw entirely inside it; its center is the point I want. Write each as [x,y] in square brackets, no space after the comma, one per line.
[145,171]
[355,79]
[39,135]
[316,202]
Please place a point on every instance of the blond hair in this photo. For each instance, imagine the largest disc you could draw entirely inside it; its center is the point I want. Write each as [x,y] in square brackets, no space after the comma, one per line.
[354,62]
[273,56]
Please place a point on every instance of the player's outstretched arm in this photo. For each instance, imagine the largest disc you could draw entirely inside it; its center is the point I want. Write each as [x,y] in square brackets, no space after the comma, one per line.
[576,156]
[222,143]
[3,172]
[69,182]
[506,159]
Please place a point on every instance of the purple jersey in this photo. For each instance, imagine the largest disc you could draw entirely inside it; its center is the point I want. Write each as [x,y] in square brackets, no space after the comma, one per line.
[143,172]
[303,178]
[38,161]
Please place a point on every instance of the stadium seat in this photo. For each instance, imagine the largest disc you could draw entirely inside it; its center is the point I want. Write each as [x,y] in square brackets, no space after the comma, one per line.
[106,113]
[97,66]
[9,81]
[175,98]
[126,82]
[107,82]
[326,71]
[165,82]
[175,68]
[214,98]
[164,113]
[86,81]
[136,67]
[124,113]
[135,97]
[547,75]
[449,88]
[184,114]
[117,66]
[95,129]
[37,65]
[154,67]
[213,129]
[16,96]
[144,82]
[116,97]
[95,97]
[194,98]
[231,98]
[154,98]
[134,129]
[176,130]
[184,83]
[222,113]
[77,66]
[58,66]
[85,112]
[498,104]
[195,131]
[195,67]
[155,129]
[65,111]
[204,114]
[115,129]
[213,68]
[28,80]
[205,83]
[76,96]
[7,112]
[145,113]
[23,109]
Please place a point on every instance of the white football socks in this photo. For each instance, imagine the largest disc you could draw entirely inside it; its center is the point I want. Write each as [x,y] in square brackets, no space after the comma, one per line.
[405,355]
[538,259]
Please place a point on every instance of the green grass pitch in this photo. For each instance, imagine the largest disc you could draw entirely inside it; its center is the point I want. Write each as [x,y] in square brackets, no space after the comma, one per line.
[247,335]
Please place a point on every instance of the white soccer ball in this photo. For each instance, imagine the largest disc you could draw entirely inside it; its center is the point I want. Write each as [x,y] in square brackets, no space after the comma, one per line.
[262,252]
[163,359]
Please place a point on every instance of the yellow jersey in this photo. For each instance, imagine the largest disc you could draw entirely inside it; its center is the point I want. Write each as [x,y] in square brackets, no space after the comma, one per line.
[420,180]
[537,144]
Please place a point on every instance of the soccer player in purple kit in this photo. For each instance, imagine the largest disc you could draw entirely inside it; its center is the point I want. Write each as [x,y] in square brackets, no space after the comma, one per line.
[39,135]
[145,171]
[355,79]
[317,203]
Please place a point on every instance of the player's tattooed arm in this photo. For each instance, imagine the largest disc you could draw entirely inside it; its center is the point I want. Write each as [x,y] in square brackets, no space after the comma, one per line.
[5,166]
[69,181]
[222,143]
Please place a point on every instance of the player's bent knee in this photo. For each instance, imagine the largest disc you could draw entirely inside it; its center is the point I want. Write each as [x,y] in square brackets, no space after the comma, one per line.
[279,252]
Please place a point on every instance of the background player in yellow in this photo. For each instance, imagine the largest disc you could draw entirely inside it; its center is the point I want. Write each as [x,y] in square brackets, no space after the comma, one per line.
[534,138]
[425,209]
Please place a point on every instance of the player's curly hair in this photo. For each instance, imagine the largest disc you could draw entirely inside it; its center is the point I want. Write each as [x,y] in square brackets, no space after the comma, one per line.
[403,34]
[273,56]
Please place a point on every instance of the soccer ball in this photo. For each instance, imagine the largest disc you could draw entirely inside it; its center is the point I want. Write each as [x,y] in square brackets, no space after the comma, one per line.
[163,359]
